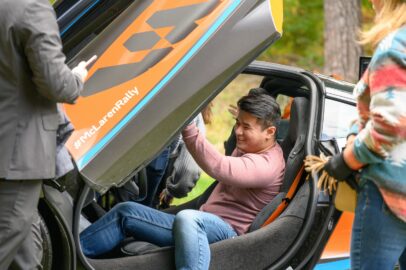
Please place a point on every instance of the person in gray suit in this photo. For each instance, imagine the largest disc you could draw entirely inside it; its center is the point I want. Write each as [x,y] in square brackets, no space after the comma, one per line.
[33,79]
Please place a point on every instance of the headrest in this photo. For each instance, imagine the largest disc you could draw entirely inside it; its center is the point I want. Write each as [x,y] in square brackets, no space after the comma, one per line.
[298,124]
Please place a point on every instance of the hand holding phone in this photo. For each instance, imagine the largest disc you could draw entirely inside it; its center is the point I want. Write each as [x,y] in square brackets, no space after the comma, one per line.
[81,68]
[91,60]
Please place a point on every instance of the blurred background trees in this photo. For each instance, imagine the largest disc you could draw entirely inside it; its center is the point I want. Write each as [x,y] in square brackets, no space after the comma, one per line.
[321,36]
[342,21]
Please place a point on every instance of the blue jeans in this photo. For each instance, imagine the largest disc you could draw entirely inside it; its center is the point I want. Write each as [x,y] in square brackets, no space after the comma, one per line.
[378,237]
[155,171]
[191,231]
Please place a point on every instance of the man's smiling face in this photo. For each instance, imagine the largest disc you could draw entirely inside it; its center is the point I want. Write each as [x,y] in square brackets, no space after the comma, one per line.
[251,136]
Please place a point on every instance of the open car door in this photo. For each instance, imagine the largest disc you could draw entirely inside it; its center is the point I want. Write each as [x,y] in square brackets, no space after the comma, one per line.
[158,61]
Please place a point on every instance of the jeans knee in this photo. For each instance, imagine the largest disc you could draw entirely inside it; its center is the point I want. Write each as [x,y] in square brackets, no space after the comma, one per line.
[124,207]
[187,214]
[186,217]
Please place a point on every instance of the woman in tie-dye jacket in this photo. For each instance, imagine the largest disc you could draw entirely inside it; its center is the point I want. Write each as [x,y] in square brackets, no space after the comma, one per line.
[379,230]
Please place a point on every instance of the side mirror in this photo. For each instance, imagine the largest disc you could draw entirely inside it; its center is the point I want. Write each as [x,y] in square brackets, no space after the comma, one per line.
[363,65]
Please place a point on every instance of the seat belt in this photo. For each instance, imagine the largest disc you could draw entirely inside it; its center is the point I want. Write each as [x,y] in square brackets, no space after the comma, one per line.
[285,201]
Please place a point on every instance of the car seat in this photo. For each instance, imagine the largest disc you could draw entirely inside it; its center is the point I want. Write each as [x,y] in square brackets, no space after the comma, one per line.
[293,152]
[262,245]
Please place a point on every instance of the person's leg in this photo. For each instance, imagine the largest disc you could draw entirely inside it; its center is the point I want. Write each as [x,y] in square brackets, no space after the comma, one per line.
[373,245]
[155,171]
[127,219]
[29,255]
[193,232]
[18,204]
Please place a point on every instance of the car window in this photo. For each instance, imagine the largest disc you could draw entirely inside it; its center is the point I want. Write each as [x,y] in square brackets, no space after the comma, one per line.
[338,118]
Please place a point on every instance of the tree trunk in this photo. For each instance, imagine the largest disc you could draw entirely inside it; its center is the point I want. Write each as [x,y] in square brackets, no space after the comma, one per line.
[342,19]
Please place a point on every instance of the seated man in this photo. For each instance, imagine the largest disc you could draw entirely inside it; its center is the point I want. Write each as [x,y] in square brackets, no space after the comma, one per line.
[174,166]
[248,180]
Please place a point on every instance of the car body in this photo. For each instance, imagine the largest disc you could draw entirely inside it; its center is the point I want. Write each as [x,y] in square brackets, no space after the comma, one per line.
[340,112]
[159,63]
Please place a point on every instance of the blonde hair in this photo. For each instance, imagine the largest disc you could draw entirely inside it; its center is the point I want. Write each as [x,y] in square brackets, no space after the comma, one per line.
[390,17]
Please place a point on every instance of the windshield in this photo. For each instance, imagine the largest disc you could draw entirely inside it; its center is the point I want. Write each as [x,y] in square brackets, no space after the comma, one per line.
[338,118]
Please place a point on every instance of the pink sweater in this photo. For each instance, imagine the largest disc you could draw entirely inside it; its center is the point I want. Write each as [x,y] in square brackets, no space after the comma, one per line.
[247,182]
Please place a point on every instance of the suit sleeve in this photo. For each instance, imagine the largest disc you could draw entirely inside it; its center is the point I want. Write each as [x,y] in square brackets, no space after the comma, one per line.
[42,46]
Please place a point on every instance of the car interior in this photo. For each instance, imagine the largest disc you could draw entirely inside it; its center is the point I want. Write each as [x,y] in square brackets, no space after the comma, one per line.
[274,229]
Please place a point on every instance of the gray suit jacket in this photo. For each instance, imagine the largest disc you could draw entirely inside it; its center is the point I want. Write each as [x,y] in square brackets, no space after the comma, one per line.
[33,78]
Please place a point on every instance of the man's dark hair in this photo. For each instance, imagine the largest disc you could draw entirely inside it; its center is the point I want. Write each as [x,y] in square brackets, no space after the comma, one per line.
[263,106]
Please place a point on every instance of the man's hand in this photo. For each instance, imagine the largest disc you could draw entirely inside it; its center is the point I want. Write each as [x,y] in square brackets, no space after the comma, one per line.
[233,110]
[165,199]
[337,168]
[81,68]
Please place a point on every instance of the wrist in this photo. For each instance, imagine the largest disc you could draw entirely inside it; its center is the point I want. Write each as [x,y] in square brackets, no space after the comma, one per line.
[189,130]
[337,167]
[349,158]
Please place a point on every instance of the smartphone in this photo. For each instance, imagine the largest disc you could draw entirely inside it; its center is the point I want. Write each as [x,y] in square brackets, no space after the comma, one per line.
[363,65]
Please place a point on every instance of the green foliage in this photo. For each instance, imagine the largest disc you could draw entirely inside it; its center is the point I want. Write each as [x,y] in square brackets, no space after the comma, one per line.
[302,42]
[302,39]
[367,21]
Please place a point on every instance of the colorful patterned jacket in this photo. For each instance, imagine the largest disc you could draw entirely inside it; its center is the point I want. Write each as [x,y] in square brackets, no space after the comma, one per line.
[381,143]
